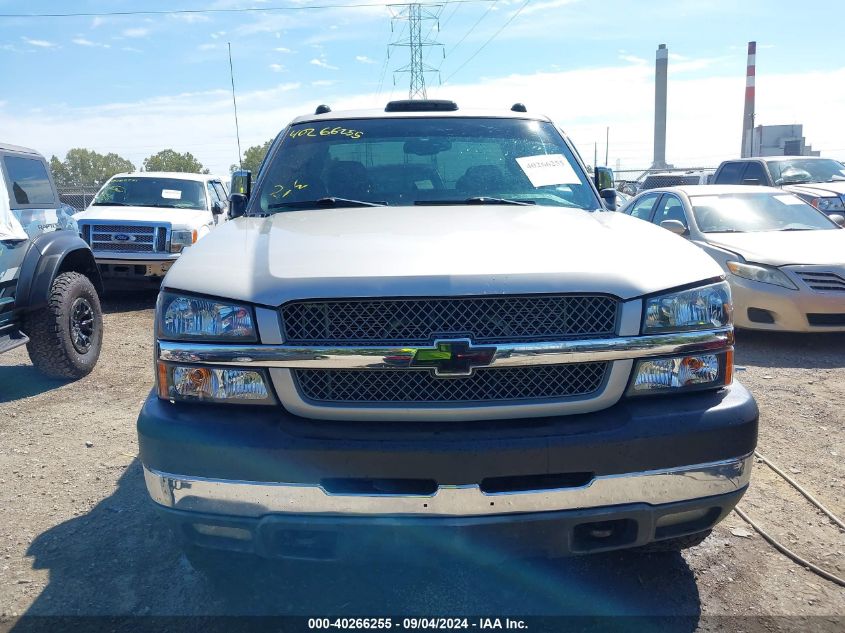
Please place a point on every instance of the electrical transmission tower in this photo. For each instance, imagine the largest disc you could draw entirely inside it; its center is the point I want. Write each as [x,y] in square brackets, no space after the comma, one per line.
[416,15]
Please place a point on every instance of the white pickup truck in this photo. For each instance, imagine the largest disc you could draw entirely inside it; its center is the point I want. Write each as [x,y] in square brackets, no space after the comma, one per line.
[139,223]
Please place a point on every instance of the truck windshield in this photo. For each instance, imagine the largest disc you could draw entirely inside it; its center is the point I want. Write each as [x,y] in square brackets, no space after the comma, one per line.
[752,212]
[798,170]
[419,161]
[152,192]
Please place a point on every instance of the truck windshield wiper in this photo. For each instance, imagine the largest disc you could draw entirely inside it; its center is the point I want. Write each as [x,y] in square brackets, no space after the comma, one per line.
[111,204]
[476,200]
[330,201]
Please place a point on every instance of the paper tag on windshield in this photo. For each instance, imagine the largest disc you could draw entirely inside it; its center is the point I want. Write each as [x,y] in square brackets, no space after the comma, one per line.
[171,194]
[548,169]
[789,199]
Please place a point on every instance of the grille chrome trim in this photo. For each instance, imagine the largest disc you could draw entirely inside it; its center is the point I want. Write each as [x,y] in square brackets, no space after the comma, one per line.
[507,354]
[418,320]
[398,387]
[142,237]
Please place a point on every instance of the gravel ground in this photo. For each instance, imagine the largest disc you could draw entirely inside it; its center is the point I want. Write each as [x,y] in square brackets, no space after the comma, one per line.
[78,537]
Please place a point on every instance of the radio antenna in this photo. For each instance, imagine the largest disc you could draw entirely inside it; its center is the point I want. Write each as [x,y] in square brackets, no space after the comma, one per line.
[235,103]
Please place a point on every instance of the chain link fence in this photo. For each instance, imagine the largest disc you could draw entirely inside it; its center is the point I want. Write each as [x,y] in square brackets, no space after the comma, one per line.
[632,181]
[78,197]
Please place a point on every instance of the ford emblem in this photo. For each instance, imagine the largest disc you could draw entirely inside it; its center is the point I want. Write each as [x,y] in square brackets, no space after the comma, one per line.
[122,237]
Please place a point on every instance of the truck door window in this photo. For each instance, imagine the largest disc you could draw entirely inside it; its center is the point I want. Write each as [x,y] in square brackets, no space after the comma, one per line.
[730,174]
[28,182]
[213,196]
[642,209]
[755,175]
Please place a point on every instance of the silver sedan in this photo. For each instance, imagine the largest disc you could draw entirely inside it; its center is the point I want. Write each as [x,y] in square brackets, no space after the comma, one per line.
[784,259]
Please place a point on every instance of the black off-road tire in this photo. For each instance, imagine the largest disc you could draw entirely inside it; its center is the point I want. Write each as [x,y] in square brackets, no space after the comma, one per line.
[676,544]
[65,337]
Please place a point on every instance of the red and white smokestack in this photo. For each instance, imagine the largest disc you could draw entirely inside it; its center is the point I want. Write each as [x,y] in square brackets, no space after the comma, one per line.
[748,114]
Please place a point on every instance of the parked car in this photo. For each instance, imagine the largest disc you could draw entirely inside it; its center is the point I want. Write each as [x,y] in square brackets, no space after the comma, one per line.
[673,179]
[139,223]
[818,181]
[348,368]
[784,259]
[48,279]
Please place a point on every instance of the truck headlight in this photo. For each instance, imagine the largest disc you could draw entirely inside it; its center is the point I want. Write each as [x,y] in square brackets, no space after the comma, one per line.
[180,240]
[212,384]
[828,204]
[763,274]
[694,309]
[188,318]
[682,373]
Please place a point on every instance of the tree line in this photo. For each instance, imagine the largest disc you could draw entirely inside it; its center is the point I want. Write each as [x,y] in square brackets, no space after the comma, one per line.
[85,167]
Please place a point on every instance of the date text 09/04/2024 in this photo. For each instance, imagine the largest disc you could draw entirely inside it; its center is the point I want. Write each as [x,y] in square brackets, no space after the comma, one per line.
[416,623]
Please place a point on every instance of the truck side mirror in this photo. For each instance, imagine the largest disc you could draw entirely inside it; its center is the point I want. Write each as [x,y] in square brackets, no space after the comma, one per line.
[603,178]
[609,197]
[242,182]
[237,205]
[838,218]
[216,208]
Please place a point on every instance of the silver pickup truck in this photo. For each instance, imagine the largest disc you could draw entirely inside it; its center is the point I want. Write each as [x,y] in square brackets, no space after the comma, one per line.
[423,330]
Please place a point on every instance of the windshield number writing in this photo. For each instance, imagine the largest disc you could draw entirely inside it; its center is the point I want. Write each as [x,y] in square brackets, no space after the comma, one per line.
[327,131]
[282,191]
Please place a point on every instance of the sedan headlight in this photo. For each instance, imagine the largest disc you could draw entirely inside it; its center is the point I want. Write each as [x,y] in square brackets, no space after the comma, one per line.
[189,318]
[180,240]
[763,274]
[828,204]
[694,309]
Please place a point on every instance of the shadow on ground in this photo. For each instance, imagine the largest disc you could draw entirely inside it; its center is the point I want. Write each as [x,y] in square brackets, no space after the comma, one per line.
[23,381]
[128,299]
[783,349]
[120,559]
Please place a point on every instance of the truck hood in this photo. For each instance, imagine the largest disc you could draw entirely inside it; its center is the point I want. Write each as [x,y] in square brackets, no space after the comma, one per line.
[437,251]
[818,188]
[781,248]
[180,217]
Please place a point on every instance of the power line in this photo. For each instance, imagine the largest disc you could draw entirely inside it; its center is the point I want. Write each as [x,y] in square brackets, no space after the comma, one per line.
[492,37]
[304,7]
[472,28]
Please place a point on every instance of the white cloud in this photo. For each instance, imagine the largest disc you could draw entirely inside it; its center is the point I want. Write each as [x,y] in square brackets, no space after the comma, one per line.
[97,22]
[277,68]
[282,49]
[206,47]
[218,34]
[322,63]
[535,7]
[38,43]
[131,49]
[364,59]
[323,82]
[632,59]
[135,32]
[190,18]
[81,41]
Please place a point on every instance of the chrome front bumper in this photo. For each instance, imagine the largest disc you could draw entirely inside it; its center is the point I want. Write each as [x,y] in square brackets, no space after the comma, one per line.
[255,499]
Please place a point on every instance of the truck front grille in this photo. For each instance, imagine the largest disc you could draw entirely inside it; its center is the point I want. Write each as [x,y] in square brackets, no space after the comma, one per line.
[394,386]
[422,320]
[125,238]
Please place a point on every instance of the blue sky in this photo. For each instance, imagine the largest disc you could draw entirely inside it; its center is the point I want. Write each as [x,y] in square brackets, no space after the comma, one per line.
[136,84]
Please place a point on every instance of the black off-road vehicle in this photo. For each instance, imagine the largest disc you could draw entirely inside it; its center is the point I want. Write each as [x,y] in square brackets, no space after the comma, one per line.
[49,281]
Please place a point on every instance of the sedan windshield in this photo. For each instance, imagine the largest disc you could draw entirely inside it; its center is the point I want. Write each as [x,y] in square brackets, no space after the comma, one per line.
[420,161]
[152,192]
[798,170]
[752,212]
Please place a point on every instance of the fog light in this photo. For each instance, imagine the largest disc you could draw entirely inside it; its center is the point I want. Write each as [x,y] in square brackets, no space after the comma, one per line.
[700,371]
[212,384]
